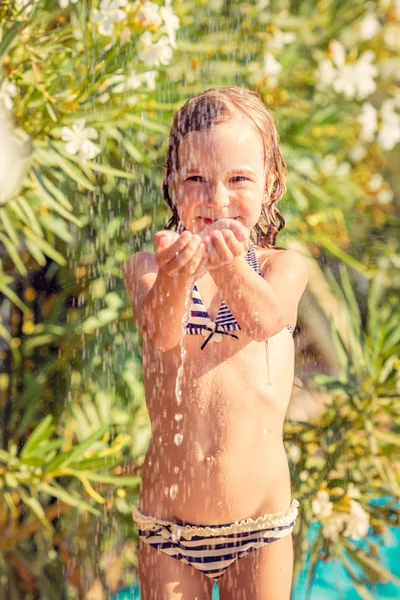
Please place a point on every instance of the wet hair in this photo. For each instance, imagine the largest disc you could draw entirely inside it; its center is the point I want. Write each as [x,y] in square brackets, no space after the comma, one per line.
[220,105]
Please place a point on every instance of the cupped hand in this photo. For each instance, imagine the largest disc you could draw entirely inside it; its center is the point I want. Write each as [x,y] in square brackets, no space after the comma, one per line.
[183,254]
[224,240]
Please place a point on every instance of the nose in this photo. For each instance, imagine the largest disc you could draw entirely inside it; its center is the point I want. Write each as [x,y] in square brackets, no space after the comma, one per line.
[218,196]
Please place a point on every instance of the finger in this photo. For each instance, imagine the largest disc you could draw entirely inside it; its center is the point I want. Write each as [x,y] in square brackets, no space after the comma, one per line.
[179,261]
[202,268]
[213,256]
[164,255]
[164,238]
[239,230]
[223,251]
[237,248]
[192,265]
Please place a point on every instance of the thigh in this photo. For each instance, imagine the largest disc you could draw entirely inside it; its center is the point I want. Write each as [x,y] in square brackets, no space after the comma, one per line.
[264,574]
[163,577]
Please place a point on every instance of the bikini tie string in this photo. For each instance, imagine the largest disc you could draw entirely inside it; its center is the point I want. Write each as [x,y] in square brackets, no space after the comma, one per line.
[215,330]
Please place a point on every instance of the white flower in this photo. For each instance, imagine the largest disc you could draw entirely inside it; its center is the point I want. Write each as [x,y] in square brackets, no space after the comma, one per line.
[150,78]
[357,152]
[171,23]
[375,183]
[303,476]
[338,53]
[328,165]
[108,14]
[357,80]
[149,14]
[369,27]
[368,121]
[306,167]
[321,505]
[294,453]
[391,36]
[280,39]
[78,140]
[215,5]
[8,90]
[357,521]
[23,5]
[353,80]
[10,159]
[65,3]
[133,81]
[332,527]
[389,133]
[271,67]
[352,490]
[326,73]
[154,55]
[385,196]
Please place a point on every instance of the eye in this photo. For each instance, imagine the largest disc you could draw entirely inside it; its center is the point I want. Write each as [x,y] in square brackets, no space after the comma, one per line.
[194,177]
[240,177]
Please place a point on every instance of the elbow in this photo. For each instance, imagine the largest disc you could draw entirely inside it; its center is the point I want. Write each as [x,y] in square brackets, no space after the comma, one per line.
[262,331]
[157,338]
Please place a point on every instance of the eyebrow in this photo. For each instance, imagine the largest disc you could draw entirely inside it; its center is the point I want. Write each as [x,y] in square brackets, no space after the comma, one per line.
[246,170]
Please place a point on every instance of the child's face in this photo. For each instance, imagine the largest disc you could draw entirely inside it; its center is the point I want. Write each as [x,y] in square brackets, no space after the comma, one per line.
[222,175]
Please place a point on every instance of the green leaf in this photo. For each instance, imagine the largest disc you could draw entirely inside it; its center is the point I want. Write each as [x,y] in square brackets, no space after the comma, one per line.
[73,172]
[13,254]
[43,431]
[80,449]
[32,220]
[57,226]
[64,496]
[46,247]
[9,36]
[8,226]
[114,480]
[147,124]
[36,253]
[108,170]
[52,202]
[55,192]
[36,508]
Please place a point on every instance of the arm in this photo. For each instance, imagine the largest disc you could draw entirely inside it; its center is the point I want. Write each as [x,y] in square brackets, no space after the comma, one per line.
[263,306]
[159,284]
[158,300]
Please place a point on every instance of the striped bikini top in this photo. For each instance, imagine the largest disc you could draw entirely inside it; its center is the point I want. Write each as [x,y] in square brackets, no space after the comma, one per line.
[200,322]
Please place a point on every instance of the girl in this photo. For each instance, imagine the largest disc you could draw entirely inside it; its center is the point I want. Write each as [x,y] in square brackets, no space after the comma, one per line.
[216,305]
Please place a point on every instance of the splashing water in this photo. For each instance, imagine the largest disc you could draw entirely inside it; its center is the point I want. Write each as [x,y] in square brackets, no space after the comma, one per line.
[185,319]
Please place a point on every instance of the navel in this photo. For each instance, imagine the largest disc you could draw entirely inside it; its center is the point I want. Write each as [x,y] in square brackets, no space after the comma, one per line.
[208,458]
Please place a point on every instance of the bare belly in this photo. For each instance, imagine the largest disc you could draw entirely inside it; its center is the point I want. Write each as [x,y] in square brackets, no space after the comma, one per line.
[216,454]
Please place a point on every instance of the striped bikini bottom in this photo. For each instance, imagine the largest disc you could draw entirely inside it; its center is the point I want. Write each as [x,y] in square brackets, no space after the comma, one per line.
[211,549]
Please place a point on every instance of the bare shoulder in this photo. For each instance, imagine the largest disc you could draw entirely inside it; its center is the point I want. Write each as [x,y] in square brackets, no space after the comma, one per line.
[282,262]
[140,272]
[140,264]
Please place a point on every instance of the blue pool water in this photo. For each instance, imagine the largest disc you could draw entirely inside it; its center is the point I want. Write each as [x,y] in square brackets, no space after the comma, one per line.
[331,581]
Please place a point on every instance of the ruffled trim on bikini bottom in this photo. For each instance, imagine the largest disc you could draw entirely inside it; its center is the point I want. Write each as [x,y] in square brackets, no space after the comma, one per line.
[268,521]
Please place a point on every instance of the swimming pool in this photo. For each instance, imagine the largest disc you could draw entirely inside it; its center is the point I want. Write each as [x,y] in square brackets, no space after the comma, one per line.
[331,581]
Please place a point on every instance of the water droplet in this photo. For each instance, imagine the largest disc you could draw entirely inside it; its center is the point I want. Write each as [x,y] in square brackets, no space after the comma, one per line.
[176,469]
[178,417]
[166,491]
[178,439]
[173,491]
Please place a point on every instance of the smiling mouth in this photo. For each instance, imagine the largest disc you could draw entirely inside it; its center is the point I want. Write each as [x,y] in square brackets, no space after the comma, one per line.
[209,221]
